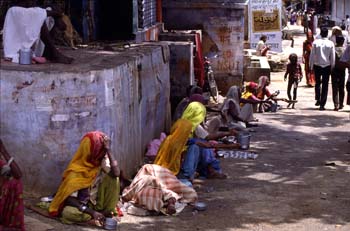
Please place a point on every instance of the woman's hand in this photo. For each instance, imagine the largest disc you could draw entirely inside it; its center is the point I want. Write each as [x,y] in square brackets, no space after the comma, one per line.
[98,216]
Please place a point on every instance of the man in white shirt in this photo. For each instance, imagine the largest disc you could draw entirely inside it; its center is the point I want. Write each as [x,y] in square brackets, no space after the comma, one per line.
[322,61]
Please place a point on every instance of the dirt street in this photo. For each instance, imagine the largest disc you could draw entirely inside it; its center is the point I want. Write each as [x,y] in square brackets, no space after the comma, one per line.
[299,181]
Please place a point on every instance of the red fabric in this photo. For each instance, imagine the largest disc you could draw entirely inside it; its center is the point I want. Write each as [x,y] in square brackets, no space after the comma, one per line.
[307,46]
[11,203]
[199,62]
[97,151]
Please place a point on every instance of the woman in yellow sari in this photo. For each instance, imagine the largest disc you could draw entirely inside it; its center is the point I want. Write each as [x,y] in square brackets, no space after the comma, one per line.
[86,191]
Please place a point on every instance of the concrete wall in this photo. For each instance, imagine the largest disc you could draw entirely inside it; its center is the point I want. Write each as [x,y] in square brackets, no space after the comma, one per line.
[46,109]
[222,23]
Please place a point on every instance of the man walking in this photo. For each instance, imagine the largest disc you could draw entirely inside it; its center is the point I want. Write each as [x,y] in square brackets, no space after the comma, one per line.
[322,61]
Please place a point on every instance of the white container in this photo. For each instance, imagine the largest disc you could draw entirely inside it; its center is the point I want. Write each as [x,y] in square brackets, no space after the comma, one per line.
[244,140]
[25,56]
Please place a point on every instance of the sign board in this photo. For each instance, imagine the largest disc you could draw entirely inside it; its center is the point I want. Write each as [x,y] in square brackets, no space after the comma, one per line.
[265,18]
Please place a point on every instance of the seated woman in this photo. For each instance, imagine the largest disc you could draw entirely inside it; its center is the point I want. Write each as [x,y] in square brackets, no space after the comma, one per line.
[90,184]
[232,115]
[263,91]
[198,153]
[11,198]
[156,188]
[35,35]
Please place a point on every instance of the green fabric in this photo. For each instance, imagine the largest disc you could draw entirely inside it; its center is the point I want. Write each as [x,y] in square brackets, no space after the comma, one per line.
[108,194]
[71,215]
[107,199]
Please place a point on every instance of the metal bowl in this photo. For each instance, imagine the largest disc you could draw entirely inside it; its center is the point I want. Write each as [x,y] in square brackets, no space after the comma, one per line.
[200,206]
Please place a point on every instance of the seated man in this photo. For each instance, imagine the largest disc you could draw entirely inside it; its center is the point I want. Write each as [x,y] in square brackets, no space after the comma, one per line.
[89,188]
[19,34]
[156,188]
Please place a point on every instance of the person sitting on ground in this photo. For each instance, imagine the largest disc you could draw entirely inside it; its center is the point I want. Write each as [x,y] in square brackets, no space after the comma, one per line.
[35,37]
[11,193]
[295,75]
[189,137]
[185,101]
[232,115]
[263,91]
[249,95]
[156,188]
[89,190]
[261,47]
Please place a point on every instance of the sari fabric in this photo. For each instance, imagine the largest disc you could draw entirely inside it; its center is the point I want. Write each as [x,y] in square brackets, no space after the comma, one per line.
[307,46]
[233,97]
[81,171]
[169,153]
[154,185]
[11,202]
[195,113]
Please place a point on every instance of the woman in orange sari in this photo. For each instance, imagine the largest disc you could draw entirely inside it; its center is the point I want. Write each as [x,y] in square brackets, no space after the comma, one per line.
[90,185]
[307,45]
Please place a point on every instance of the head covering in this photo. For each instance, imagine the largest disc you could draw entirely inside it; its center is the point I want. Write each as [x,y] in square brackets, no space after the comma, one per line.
[252,85]
[169,153]
[197,98]
[82,170]
[263,80]
[233,96]
[195,112]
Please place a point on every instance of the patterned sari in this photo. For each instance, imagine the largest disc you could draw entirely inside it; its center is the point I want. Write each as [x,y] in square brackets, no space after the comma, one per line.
[11,202]
[307,46]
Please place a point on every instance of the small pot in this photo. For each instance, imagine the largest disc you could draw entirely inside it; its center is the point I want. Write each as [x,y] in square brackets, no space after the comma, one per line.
[110,224]
[200,206]
[25,56]
[244,140]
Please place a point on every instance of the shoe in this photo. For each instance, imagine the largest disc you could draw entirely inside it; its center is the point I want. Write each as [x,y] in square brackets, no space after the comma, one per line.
[336,108]
[250,125]
[341,107]
[317,103]
[322,108]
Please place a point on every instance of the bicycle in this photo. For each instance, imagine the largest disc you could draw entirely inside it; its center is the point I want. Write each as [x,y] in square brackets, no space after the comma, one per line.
[209,80]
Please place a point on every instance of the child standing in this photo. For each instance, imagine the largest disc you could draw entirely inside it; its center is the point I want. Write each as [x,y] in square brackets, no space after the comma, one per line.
[294,75]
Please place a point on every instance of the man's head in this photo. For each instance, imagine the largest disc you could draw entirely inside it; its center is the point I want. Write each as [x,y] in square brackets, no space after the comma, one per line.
[263,38]
[339,40]
[324,32]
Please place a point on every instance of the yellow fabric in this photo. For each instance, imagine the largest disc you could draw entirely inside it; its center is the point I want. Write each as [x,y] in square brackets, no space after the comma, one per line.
[169,153]
[195,113]
[245,95]
[79,174]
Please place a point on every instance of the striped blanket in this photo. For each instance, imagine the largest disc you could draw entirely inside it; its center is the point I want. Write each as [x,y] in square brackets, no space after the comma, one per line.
[154,185]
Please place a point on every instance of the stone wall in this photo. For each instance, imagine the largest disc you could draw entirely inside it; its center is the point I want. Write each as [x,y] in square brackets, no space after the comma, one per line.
[46,109]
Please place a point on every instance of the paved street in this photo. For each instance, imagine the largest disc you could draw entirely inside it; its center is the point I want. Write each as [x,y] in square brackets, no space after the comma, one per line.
[298,182]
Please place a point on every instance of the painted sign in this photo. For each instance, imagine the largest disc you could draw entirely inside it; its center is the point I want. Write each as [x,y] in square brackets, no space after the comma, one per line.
[265,19]
[227,35]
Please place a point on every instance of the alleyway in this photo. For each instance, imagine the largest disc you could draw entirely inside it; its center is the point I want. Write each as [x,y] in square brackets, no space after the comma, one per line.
[300,180]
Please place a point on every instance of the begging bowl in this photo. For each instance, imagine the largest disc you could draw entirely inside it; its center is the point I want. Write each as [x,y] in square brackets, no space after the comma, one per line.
[200,206]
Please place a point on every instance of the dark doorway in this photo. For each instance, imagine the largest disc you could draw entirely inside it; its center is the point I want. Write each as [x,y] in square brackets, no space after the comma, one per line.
[114,20]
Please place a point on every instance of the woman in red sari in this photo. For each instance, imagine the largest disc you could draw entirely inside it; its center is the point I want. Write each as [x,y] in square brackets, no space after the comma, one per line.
[11,198]
[307,45]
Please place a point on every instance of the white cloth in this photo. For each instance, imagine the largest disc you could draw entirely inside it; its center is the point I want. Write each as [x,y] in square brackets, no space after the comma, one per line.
[22,29]
[259,47]
[322,53]
[200,132]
